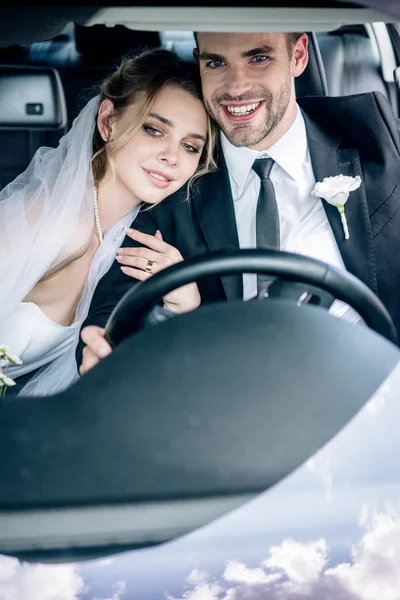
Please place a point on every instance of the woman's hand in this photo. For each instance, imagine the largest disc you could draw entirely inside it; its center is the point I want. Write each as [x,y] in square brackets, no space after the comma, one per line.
[142,263]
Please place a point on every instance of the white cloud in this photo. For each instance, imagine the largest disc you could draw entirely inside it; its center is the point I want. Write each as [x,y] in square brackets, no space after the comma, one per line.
[26,581]
[299,571]
[197,577]
[237,572]
[202,589]
[8,567]
[375,568]
[116,595]
[301,563]
[30,581]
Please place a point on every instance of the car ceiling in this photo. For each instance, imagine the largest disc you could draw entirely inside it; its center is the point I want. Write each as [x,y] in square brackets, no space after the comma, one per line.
[36,23]
[391,7]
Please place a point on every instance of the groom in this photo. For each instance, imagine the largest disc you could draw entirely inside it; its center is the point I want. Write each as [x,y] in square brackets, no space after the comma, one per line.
[248,87]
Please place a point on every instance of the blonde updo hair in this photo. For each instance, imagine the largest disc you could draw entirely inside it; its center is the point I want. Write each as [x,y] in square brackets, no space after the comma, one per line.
[148,73]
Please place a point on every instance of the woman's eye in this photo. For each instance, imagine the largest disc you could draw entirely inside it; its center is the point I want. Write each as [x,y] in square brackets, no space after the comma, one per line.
[191,149]
[151,130]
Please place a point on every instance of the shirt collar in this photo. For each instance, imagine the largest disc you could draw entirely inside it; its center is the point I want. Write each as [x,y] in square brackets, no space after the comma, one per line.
[239,160]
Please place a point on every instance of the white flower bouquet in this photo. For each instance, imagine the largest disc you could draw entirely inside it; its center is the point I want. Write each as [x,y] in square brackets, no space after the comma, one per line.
[7,358]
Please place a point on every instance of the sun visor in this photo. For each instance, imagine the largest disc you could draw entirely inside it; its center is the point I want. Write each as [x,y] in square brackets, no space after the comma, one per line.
[31,98]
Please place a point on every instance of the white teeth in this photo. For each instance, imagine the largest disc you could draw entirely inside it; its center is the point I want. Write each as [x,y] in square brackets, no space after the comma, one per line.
[243,110]
[157,176]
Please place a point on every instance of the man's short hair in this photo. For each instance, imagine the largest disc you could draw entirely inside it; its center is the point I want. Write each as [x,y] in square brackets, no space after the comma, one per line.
[291,39]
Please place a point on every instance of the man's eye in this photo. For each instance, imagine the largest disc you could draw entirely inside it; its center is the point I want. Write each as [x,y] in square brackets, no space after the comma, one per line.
[261,58]
[214,64]
[151,130]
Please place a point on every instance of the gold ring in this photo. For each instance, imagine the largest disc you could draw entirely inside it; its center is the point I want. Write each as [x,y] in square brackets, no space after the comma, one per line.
[149,266]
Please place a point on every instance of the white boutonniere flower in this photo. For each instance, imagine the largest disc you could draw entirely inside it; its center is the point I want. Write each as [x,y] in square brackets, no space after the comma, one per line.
[336,190]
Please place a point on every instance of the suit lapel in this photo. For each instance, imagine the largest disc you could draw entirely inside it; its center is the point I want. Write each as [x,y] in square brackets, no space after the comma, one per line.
[328,160]
[216,215]
[214,208]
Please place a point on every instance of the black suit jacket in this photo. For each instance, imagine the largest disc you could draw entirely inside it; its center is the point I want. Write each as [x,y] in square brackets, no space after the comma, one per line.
[352,135]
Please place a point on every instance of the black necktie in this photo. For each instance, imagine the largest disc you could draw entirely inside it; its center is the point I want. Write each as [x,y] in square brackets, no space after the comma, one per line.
[267,216]
[267,236]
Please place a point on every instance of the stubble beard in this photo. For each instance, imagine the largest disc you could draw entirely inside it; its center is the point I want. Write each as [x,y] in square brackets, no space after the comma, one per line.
[244,134]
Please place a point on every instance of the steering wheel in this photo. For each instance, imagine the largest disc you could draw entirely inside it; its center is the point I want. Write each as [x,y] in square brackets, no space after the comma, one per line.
[136,304]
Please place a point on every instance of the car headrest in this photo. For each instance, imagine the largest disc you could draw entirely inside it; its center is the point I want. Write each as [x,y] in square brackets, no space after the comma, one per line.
[31,98]
[312,82]
[100,43]
[352,61]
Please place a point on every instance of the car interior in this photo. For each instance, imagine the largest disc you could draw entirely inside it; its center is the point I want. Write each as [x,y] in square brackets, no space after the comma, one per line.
[348,60]
[80,481]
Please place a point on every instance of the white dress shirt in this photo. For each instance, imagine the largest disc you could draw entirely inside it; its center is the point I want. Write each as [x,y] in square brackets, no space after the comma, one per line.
[304,227]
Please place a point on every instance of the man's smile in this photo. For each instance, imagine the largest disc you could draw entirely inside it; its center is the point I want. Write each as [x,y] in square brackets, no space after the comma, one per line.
[242,111]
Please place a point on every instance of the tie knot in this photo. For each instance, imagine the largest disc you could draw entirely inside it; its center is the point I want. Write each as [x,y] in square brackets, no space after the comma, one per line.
[263,166]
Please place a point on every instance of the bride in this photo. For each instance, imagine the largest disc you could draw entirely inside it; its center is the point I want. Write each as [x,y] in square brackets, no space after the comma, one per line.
[62,220]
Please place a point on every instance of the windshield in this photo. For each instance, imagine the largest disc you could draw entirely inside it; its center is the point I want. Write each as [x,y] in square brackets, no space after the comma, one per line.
[329,530]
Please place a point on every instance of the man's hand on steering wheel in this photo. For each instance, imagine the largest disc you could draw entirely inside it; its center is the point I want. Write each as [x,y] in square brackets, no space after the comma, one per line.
[153,257]
[141,263]
[96,347]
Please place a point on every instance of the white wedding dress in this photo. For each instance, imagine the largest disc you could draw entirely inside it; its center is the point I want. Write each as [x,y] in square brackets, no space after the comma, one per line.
[35,338]
[45,345]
